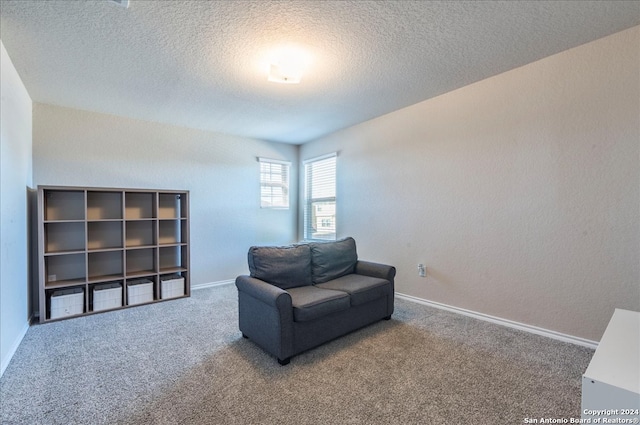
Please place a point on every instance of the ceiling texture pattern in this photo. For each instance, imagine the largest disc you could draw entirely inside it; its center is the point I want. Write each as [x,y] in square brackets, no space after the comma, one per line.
[201,64]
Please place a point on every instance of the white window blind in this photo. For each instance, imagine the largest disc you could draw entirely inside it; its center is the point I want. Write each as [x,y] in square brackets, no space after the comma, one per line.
[320,198]
[274,183]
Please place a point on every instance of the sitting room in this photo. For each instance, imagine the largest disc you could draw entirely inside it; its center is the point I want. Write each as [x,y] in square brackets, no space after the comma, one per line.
[319,212]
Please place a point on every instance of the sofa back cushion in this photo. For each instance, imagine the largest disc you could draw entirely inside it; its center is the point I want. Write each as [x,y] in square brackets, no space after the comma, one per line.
[282,266]
[331,260]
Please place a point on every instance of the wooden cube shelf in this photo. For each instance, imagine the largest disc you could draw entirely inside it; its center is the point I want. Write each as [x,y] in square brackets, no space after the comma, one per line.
[88,237]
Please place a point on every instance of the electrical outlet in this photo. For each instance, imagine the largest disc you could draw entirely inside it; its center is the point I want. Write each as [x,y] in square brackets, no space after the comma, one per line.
[422,270]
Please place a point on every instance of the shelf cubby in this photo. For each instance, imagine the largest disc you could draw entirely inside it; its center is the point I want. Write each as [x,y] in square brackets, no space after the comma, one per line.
[71,301]
[105,265]
[171,232]
[64,205]
[139,205]
[104,235]
[106,295]
[142,292]
[140,233]
[65,236]
[104,205]
[171,205]
[172,259]
[64,270]
[141,262]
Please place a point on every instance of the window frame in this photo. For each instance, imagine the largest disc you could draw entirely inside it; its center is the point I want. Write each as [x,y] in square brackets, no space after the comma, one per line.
[285,184]
[307,220]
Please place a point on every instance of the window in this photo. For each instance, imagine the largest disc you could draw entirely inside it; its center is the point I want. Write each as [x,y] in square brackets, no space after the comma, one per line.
[274,183]
[320,198]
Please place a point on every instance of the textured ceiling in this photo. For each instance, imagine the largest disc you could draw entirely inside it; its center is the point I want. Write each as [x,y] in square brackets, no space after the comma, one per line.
[199,64]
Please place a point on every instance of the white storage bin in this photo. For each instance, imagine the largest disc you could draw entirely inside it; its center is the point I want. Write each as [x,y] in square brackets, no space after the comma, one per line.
[172,286]
[107,296]
[139,291]
[67,302]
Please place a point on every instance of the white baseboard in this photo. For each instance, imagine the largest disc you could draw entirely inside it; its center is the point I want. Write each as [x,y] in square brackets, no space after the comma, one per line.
[12,350]
[212,284]
[504,322]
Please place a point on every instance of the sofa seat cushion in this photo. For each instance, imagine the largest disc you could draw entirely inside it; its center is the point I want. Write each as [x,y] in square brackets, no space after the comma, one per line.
[310,303]
[282,266]
[361,289]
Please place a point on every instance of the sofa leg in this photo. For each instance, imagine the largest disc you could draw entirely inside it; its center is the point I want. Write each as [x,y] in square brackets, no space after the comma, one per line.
[285,361]
[388,317]
[244,336]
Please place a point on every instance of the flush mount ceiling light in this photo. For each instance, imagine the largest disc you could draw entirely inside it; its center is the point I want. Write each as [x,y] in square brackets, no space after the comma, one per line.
[287,65]
[284,73]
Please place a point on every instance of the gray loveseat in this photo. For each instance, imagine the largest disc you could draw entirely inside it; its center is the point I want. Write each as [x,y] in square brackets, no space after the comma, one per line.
[303,295]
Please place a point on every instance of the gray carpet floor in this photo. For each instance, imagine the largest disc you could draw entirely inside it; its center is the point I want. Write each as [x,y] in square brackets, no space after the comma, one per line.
[185,362]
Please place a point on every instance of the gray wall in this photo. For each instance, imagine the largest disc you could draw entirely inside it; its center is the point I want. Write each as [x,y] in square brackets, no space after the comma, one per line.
[73,147]
[15,177]
[520,193]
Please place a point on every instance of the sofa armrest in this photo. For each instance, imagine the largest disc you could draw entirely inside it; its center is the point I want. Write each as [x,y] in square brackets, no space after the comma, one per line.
[263,291]
[381,271]
[265,315]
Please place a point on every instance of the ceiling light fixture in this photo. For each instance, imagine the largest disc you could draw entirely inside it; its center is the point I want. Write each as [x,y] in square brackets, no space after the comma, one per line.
[287,66]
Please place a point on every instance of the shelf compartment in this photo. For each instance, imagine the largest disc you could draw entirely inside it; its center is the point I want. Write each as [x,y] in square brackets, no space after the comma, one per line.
[64,205]
[172,286]
[106,296]
[141,261]
[62,237]
[172,205]
[104,205]
[171,232]
[104,235]
[172,259]
[106,265]
[141,290]
[140,233]
[139,205]
[64,270]
[67,302]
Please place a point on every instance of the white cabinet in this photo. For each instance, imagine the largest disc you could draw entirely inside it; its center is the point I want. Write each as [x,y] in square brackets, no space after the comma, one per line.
[611,383]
